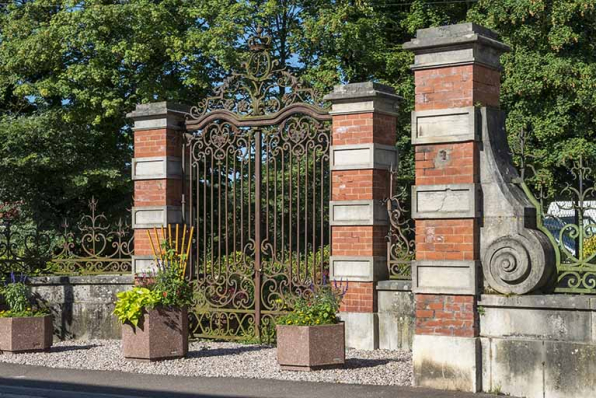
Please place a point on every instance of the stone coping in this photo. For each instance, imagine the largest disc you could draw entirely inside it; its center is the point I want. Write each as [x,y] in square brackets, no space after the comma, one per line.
[359,91]
[82,280]
[546,301]
[395,284]
[162,108]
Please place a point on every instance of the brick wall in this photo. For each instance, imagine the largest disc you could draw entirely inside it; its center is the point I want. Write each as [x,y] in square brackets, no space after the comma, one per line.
[360,297]
[446,315]
[359,240]
[447,239]
[447,164]
[364,128]
[360,184]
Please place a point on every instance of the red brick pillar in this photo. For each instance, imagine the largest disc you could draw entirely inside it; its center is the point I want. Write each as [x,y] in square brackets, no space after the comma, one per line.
[156,172]
[363,151]
[456,70]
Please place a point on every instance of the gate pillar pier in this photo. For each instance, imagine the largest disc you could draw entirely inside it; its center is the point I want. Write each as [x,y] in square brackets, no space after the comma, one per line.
[362,153]
[456,69]
[156,172]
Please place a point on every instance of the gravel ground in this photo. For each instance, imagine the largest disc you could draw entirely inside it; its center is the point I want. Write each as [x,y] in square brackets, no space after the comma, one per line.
[214,359]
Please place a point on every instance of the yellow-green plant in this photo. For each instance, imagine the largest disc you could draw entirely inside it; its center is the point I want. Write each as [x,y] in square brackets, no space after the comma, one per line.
[132,303]
[589,247]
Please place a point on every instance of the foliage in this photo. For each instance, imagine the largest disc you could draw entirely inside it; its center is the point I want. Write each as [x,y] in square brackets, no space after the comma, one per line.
[16,294]
[165,287]
[319,309]
[589,247]
[131,304]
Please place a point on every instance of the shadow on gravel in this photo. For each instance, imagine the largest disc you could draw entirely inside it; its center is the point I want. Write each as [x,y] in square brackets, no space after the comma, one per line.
[356,363]
[49,389]
[214,352]
[73,348]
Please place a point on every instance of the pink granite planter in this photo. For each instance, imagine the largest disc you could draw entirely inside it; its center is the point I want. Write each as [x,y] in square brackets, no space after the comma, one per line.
[161,334]
[306,348]
[28,334]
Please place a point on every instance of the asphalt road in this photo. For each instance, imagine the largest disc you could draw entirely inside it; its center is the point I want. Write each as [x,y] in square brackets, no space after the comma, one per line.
[20,381]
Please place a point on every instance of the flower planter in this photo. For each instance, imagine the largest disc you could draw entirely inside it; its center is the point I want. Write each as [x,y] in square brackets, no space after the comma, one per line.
[307,348]
[162,333]
[29,334]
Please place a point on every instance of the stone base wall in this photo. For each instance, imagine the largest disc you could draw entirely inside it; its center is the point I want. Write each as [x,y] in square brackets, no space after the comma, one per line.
[396,315]
[82,305]
[538,346]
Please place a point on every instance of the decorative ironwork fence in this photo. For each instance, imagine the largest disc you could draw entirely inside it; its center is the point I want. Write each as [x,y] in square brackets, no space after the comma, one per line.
[258,196]
[568,219]
[401,243]
[93,246]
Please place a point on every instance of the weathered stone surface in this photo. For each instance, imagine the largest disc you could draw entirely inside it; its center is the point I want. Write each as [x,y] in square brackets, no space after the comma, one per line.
[363,156]
[517,258]
[447,362]
[25,334]
[307,348]
[396,315]
[453,45]
[159,115]
[155,216]
[445,201]
[81,306]
[362,330]
[363,98]
[445,125]
[445,277]
[357,212]
[162,333]
[535,368]
[156,167]
[357,268]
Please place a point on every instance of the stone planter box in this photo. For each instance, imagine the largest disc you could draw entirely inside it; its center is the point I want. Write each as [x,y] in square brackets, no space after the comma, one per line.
[162,333]
[28,334]
[307,348]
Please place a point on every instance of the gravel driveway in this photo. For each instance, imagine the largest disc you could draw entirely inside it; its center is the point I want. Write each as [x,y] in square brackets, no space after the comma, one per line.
[213,359]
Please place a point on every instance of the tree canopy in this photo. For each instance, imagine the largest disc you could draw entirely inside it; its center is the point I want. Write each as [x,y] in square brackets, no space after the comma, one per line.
[70,70]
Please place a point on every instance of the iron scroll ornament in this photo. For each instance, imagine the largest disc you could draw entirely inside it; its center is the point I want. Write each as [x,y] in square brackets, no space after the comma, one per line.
[263,89]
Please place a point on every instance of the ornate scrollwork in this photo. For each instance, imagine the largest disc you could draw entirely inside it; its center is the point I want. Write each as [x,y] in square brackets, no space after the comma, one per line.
[94,247]
[263,88]
[568,221]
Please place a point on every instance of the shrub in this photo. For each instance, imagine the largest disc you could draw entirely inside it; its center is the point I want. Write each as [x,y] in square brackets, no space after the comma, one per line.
[16,294]
[320,308]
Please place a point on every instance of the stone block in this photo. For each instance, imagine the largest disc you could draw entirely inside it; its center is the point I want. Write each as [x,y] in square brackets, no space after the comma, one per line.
[26,334]
[159,115]
[155,216]
[306,348]
[363,156]
[454,45]
[143,264]
[357,268]
[445,201]
[362,330]
[396,319]
[445,277]
[365,97]
[358,212]
[446,125]
[447,362]
[157,167]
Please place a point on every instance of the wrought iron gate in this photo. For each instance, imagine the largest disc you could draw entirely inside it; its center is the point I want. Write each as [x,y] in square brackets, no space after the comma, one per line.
[257,192]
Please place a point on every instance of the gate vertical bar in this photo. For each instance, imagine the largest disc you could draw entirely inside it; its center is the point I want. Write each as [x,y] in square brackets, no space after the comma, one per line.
[258,159]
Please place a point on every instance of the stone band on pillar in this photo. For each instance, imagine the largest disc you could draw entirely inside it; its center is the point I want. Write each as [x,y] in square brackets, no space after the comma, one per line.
[362,154]
[156,172]
[456,69]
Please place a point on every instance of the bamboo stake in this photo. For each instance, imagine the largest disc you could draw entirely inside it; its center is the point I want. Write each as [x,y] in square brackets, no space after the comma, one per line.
[161,256]
[188,250]
[152,245]
[177,225]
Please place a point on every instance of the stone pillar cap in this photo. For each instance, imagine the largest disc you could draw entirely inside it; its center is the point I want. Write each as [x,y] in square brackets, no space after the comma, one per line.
[154,109]
[356,92]
[460,44]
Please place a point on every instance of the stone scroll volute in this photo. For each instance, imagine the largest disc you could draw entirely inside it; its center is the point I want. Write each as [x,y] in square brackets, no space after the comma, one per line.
[516,257]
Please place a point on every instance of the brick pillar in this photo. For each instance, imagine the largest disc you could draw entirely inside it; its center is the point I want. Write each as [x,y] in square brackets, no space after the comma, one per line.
[156,172]
[362,153]
[456,70]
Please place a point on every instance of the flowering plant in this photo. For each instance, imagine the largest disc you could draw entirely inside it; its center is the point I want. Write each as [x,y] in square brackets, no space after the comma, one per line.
[16,294]
[166,287]
[320,308]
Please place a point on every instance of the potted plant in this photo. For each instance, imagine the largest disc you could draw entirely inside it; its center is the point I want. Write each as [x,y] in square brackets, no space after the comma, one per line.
[311,336]
[23,327]
[154,313]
